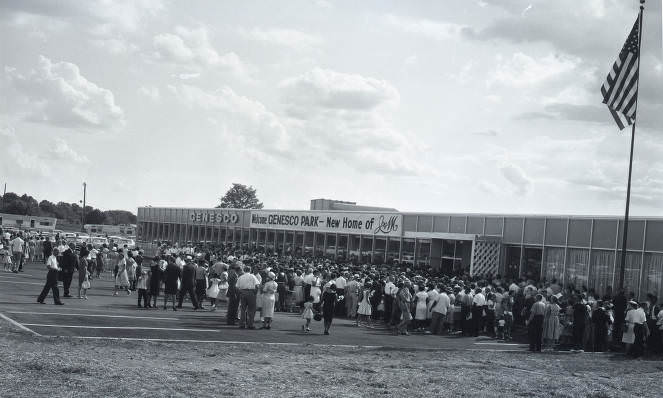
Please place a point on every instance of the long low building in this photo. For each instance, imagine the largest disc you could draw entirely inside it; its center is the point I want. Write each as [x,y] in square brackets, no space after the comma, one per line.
[581,250]
[27,223]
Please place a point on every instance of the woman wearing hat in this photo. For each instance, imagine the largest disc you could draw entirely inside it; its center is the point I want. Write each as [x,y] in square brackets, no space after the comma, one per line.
[329,299]
[268,300]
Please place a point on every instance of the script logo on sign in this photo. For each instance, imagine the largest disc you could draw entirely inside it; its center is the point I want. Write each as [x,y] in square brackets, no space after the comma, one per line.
[386,226]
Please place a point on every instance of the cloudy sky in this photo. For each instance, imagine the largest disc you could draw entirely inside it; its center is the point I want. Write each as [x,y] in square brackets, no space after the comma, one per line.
[461,106]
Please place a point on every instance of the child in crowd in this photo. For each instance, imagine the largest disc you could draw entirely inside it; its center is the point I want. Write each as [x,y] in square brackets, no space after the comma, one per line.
[213,290]
[308,314]
[85,285]
[131,272]
[501,323]
[4,257]
[142,284]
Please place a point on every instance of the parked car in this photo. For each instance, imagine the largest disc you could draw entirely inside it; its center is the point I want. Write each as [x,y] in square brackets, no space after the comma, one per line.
[98,241]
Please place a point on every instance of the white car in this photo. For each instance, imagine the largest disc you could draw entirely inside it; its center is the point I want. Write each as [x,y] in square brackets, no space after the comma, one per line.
[97,241]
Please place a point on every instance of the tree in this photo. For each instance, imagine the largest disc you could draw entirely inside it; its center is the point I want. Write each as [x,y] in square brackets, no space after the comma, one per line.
[95,216]
[240,196]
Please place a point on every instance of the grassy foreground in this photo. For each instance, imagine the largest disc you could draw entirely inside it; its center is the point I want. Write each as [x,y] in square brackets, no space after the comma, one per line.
[73,367]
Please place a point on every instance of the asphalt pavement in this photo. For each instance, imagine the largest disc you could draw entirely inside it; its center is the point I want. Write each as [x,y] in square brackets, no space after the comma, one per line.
[104,316]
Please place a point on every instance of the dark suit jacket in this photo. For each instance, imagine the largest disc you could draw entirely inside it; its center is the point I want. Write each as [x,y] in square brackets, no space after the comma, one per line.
[69,261]
[188,275]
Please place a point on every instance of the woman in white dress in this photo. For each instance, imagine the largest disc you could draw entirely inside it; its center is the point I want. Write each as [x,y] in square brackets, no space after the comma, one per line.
[365,309]
[122,278]
[268,300]
[299,288]
[421,311]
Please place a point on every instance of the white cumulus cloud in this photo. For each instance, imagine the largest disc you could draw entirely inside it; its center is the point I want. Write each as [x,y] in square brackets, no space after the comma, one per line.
[56,93]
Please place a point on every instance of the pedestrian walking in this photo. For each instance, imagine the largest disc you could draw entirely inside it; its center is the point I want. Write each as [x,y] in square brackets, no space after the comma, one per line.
[51,280]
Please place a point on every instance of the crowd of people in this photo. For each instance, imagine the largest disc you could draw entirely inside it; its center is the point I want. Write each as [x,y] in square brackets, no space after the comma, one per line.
[254,285]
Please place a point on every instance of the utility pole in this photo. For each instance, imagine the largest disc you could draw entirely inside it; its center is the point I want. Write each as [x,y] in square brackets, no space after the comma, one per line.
[83,221]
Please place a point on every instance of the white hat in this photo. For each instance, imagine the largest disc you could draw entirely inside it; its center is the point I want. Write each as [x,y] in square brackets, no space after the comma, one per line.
[231,258]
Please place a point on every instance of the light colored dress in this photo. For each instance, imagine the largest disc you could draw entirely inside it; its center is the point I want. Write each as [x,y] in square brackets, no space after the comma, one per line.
[299,289]
[308,310]
[365,305]
[629,335]
[268,299]
[551,325]
[122,278]
[421,309]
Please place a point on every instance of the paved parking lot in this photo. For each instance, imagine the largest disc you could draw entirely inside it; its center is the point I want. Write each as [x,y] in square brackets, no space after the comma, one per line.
[103,316]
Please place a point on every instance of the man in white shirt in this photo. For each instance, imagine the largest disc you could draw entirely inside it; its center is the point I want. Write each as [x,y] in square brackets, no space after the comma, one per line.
[51,280]
[341,283]
[308,281]
[17,246]
[247,285]
[390,291]
[439,309]
[478,304]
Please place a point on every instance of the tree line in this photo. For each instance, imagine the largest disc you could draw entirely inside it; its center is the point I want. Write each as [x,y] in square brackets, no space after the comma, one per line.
[70,213]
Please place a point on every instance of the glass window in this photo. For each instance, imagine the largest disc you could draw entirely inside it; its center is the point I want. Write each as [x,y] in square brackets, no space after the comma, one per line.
[393,251]
[425,223]
[407,256]
[366,249]
[605,234]
[513,230]
[319,244]
[353,248]
[654,233]
[279,242]
[214,235]
[494,226]
[579,231]
[246,238]
[342,249]
[652,275]
[534,231]
[380,250]
[423,253]
[635,234]
[262,237]
[269,245]
[554,264]
[299,243]
[441,224]
[457,225]
[238,236]
[602,270]
[222,235]
[631,271]
[577,268]
[409,222]
[289,242]
[330,250]
[308,243]
[475,225]
[532,263]
[512,263]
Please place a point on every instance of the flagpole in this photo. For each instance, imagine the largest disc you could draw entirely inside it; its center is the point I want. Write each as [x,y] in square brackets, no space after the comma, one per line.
[630,162]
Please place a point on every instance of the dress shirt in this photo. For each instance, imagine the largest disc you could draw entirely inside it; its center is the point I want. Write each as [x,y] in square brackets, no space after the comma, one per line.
[390,289]
[442,303]
[341,282]
[636,316]
[479,299]
[52,263]
[247,281]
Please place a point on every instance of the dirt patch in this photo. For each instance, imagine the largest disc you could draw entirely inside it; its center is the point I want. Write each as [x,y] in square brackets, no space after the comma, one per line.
[76,367]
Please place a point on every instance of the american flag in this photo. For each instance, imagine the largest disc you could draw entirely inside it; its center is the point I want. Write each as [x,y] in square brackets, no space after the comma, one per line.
[620,90]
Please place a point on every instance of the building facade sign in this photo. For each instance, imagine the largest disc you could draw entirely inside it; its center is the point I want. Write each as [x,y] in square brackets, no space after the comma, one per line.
[214,217]
[379,224]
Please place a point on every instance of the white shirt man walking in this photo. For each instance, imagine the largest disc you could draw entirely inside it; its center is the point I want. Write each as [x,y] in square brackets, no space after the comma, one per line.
[247,285]
[18,246]
[439,310]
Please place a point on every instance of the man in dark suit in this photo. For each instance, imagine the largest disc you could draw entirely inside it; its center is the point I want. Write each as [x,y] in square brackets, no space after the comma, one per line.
[69,264]
[188,283]
[233,294]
